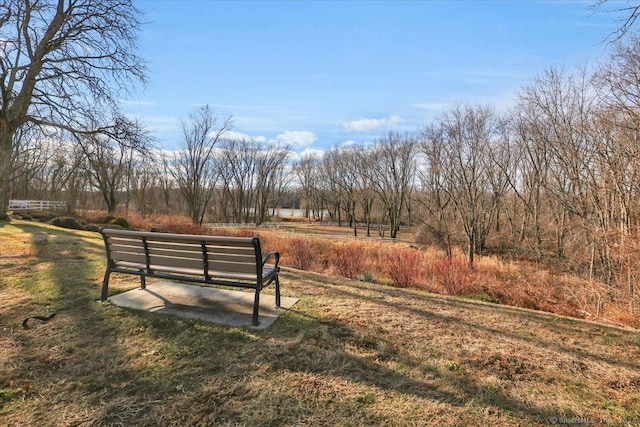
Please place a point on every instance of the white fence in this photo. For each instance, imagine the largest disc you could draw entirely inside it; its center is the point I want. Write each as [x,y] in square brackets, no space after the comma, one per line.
[36,205]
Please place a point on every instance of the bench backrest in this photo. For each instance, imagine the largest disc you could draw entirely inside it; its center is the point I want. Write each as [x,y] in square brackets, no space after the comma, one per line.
[200,255]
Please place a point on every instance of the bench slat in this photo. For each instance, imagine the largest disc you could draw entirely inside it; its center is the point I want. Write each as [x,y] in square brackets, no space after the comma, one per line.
[237,250]
[235,267]
[131,265]
[195,272]
[155,245]
[178,262]
[183,254]
[198,273]
[224,257]
[119,247]
[186,238]
[128,256]
[137,243]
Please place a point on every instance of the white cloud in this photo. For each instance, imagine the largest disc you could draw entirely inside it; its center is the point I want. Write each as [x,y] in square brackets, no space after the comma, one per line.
[349,143]
[306,152]
[297,138]
[365,125]
[235,136]
[312,152]
[241,136]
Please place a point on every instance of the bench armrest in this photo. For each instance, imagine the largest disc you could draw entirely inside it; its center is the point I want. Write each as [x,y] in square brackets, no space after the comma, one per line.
[271,254]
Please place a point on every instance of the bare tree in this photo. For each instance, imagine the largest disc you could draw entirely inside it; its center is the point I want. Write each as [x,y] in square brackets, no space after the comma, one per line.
[110,159]
[332,194]
[238,170]
[60,176]
[272,178]
[618,83]
[142,181]
[341,169]
[528,180]
[28,158]
[252,175]
[436,187]
[61,61]
[364,184]
[392,173]
[472,136]
[304,170]
[561,108]
[165,178]
[194,167]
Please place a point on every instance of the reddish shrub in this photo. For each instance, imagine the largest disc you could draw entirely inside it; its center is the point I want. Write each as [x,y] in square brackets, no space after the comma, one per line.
[182,228]
[404,267]
[246,232]
[300,254]
[219,231]
[348,259]
[453,276]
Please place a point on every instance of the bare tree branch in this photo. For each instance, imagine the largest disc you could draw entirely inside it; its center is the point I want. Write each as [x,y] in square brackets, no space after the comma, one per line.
[630,12]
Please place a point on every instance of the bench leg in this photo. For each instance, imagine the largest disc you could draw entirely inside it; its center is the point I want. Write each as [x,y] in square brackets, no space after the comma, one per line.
[143,282]
[105,286]
[277,292]
[256,306]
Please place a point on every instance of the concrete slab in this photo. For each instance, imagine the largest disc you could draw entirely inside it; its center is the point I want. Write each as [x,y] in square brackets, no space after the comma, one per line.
[226,307]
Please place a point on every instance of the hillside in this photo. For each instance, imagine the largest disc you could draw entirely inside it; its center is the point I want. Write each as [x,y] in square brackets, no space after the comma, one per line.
[348,353]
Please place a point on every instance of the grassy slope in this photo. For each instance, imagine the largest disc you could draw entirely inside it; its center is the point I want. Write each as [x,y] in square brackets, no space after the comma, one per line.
[349,353]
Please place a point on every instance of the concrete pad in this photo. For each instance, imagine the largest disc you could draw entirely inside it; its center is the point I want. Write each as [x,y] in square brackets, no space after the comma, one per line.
[226,307]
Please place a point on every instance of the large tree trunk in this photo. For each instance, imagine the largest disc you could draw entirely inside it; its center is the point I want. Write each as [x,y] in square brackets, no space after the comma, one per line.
[5,172]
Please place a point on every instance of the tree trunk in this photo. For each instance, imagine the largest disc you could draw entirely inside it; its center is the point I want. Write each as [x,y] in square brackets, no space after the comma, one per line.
[5,172]
[472,243]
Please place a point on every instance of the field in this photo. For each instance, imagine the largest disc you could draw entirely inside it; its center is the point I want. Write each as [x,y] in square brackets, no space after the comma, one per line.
[344,231]
[350,352]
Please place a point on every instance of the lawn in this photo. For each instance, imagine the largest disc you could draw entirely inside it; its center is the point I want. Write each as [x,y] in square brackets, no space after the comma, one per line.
[348,353]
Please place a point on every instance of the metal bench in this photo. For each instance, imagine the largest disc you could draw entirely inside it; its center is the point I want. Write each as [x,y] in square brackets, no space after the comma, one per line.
[207,260]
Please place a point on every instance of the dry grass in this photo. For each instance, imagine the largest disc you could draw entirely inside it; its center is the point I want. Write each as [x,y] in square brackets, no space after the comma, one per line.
[334,231]
[349,353]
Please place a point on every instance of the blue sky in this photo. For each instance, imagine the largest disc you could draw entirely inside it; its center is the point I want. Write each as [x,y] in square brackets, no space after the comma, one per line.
[321,74]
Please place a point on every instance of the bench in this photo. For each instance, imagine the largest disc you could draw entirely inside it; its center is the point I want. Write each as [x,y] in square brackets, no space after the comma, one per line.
[206,260]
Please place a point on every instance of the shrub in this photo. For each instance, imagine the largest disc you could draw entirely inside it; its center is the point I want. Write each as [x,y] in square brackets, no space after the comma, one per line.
[246,232]
[483,297]
[182,228]
[368,277]
[404,267]
[453,276]
[385,282]
[122,222]
[41,216]
[300,253]
[217,231]
[66,222]
[114,227]
[91,227]
[348,259]
[22,215]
